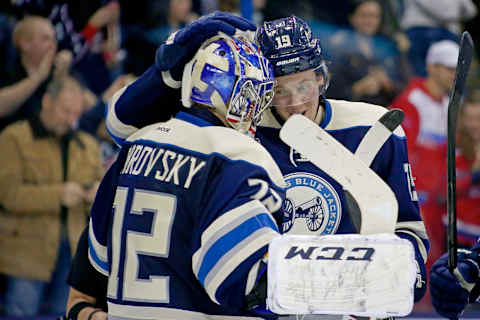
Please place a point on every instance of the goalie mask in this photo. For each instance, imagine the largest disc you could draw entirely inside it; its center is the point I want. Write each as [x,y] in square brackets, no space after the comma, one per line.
[288,44]
[232,77]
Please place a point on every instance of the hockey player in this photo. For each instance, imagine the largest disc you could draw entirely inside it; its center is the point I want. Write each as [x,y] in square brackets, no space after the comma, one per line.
[195,202]
[315,202]
[452,292]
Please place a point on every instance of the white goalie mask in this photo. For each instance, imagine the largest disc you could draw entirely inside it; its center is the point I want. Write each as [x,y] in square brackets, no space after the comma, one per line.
[231,76]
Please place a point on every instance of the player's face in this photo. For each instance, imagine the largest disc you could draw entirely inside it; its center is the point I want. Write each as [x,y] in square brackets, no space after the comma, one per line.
[297,93]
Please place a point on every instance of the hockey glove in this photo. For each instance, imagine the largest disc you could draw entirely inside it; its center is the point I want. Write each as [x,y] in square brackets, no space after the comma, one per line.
[182,45]
[255,301]
[451,293]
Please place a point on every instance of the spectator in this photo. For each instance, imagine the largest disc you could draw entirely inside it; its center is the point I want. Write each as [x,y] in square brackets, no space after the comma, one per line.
[24,85]
[284,8]
[179,14]
[425,102]
[468,171]
[367,66]
[88,28]
[235,7]
[93,120]
[49,174]
[429,21]
[147,26]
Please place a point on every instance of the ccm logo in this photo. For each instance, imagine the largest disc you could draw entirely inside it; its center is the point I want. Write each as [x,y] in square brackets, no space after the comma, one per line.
[331,253]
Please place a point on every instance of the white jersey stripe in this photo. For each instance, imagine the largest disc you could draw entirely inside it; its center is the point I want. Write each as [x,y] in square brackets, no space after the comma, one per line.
[97,254]
[421,245]
[115,127]
[225,266]
[224,224]
[418,227]
[209,140]
[100,250]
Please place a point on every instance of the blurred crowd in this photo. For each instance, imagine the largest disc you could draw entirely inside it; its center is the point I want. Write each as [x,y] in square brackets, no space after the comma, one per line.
[62,60]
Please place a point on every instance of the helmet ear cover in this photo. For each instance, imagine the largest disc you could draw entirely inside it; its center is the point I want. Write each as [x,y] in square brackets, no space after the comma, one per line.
[232,77]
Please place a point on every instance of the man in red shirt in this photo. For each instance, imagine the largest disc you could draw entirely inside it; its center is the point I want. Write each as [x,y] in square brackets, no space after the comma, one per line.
[468,171]
[425,102]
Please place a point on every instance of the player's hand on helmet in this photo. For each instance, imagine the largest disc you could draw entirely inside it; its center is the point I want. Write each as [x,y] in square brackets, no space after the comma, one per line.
[451,293]
[182,45]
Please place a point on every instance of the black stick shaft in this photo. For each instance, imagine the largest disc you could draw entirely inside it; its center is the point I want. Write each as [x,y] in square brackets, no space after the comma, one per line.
[456,97]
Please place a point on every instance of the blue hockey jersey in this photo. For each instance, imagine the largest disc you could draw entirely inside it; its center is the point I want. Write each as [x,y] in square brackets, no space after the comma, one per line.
[193,213]
[315,202]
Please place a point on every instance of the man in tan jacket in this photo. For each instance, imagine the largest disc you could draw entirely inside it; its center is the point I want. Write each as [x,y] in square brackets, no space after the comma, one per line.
[49,174]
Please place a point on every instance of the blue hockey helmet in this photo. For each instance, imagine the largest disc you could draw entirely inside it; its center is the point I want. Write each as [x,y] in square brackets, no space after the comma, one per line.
[289,45]
[231,76]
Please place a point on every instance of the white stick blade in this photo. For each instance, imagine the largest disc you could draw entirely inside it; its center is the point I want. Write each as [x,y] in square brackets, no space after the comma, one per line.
[377,202]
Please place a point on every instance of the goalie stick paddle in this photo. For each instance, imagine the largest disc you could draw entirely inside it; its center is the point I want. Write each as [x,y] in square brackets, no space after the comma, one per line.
[375,200]
[377,135]
[456,97]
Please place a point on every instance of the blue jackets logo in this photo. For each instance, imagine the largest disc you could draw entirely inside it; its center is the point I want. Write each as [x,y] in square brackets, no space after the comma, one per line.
[312,205]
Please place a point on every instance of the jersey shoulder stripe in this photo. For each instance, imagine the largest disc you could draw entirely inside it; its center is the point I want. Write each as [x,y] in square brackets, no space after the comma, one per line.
[211,140]
[347,114]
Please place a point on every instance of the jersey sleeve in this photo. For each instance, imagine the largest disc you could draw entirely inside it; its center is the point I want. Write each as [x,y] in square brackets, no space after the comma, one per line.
[146,101]
[101,217]
[393,166]
[238,220]
[84,278]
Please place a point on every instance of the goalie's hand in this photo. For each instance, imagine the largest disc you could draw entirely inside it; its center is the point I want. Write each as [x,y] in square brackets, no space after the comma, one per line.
[182,45]
[255,301]
[451,292]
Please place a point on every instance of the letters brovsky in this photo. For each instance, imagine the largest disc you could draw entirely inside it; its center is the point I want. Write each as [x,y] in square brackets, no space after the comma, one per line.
[141,160]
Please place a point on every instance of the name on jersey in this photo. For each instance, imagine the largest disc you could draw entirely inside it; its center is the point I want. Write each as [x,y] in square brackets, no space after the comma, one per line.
[173,167]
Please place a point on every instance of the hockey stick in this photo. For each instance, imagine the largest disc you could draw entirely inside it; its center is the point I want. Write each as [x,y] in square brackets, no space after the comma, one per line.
[456,97]
[373,198]
[377,135]
[368,148]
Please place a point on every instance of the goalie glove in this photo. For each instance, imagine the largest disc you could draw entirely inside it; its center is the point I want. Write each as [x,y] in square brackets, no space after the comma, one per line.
[256,300]
[182,45]
[452,292]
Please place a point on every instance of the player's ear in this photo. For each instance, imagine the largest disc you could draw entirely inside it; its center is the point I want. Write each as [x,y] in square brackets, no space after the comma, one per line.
[320,79]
